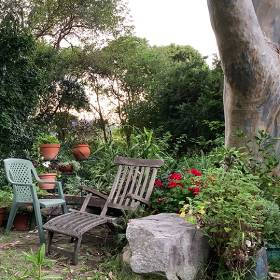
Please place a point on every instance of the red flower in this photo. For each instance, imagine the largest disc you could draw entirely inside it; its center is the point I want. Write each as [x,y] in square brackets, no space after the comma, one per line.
[173,184]
[196,190]
[175,176]
[158,183]
[194,172]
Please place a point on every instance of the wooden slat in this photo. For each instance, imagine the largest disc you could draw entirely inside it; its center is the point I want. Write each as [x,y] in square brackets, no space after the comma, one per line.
[138,162]
[139,183]
[128,182]
[143,186]
[86,201]
[131,189]
[119,184]
[151,185]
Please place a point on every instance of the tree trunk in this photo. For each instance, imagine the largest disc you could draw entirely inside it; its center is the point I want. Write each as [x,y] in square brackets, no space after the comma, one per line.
[251,68]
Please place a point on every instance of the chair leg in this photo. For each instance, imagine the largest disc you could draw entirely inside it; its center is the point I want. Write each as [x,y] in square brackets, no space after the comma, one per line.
[12,215]
[64,208]
[39,223]
[76,250]
[49,241]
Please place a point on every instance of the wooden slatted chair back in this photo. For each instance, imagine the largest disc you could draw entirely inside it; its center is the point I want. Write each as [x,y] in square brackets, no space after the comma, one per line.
[135,178]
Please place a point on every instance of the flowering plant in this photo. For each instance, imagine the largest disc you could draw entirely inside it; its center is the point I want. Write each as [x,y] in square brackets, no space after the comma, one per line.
[83,131]
[172,189]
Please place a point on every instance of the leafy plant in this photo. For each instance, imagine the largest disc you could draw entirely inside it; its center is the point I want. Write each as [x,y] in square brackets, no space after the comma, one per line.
[46,167]
[171,190]
[76,165]
[233,213]
[38,261]
[6,197]
[45,138]
[83,132]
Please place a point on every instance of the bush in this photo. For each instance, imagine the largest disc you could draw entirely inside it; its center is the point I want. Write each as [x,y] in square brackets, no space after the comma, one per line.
[233,213]
[99,170]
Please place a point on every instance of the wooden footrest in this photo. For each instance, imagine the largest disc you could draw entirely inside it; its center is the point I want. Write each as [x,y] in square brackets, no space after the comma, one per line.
[75,224]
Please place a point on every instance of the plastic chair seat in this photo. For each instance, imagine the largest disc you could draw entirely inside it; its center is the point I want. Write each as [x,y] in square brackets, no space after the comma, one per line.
[51,202]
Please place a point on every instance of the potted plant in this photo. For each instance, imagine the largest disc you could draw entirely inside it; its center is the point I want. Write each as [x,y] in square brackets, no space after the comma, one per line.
[82,134]
[47,171]
[22,219]
[5,202]
[48,145]
[69,167]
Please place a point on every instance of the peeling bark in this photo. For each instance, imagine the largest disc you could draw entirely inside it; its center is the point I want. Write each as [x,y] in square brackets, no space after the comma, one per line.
[251,67]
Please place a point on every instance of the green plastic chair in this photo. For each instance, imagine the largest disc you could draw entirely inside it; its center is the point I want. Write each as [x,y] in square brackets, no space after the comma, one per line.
[20,173]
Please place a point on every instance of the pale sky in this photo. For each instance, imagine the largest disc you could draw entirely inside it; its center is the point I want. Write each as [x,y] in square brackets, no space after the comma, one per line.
[183,22]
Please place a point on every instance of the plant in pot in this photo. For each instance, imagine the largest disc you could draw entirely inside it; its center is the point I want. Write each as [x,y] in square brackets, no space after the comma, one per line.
[5,202]
[68,167]
[48,146]
[83,131]
[47,171]
[22,219]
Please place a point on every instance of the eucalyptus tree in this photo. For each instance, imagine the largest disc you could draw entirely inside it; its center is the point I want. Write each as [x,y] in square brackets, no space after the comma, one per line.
[247,34]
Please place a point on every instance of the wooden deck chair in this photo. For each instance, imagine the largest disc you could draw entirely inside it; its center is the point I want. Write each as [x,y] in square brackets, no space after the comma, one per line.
[133,185]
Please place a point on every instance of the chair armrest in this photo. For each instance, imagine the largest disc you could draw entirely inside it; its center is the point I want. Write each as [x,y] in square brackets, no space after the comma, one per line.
[58,186]
[137,197]
[95,192]
[20,184]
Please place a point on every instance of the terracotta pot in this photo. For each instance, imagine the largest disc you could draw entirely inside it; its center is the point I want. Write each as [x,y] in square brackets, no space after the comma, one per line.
[49,151]
[2,215]
[81,151]
[68,169]
[21,222]
[47,177]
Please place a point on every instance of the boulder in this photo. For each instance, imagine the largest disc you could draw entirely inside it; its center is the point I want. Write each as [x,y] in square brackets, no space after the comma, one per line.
[166,244]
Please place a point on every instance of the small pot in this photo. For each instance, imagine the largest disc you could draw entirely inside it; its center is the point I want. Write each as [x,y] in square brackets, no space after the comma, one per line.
[49,151]
[68,169]
[81,151]
[3,211]
[47,177]
[21,222]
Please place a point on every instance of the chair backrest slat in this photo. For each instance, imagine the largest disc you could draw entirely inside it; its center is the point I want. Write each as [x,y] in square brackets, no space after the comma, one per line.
[118,183]
[134,177]
[140,178]
[132,186]
[126,186]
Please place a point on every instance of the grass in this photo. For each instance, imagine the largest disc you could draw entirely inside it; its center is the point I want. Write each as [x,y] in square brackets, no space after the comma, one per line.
[97,261]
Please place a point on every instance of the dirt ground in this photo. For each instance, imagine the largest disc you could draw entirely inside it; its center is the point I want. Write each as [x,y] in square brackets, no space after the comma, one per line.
[96,248]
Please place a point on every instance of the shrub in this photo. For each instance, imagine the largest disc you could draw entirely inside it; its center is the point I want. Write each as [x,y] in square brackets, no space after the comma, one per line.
[45,138]
[233,213]
[172,189]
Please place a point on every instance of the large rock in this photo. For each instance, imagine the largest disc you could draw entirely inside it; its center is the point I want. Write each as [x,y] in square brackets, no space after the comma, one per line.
[166,244]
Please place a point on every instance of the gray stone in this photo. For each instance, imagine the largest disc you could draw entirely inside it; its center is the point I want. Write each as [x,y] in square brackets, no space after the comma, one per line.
[166,244]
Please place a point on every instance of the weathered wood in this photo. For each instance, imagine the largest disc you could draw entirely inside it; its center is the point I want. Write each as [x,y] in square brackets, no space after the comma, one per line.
[138,162]
[95,192]
[251,68]
[86,201]
[138,198]
[124,195]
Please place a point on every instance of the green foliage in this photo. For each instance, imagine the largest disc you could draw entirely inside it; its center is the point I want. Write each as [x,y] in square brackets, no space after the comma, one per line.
[20,82]
[234,215]
[185,99]
[38,261]
[168,200]
[45,138]
[6,197]
[59,20]
[99,170]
